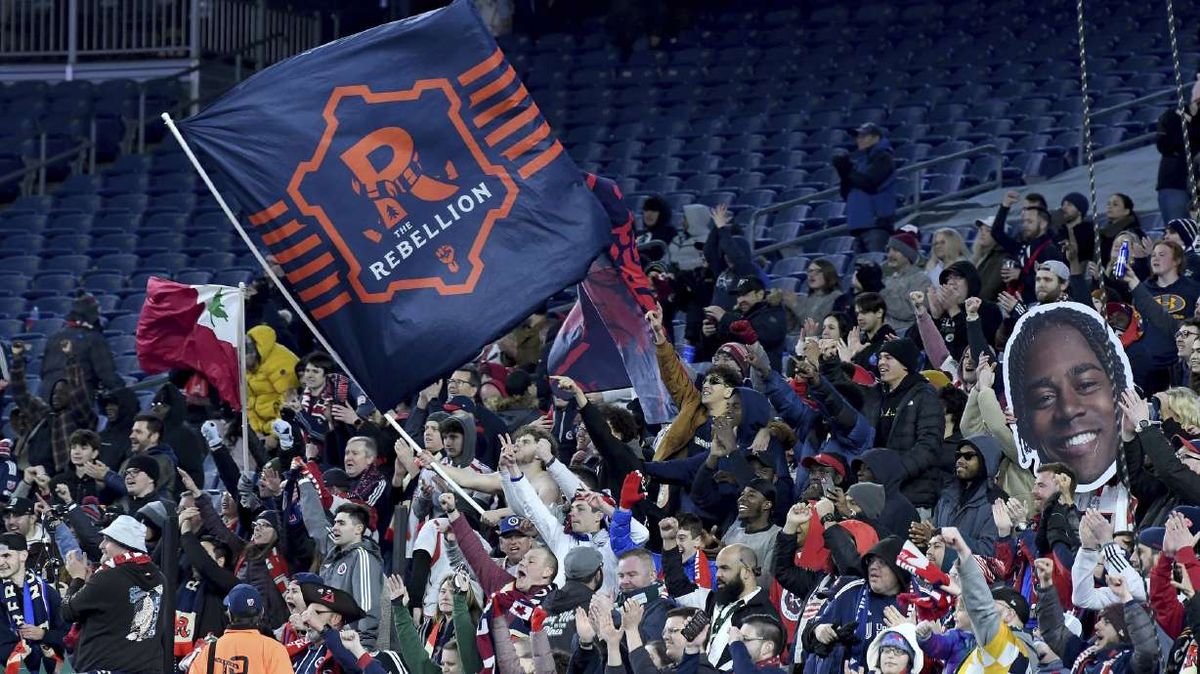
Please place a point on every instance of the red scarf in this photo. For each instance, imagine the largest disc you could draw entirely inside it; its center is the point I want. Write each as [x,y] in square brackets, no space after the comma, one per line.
[277,568]
[703,574]
[127,558]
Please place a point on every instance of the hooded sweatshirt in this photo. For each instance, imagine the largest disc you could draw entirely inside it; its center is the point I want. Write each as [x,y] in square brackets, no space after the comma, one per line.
[358,569]
[185,441]
[954,328]
[898,511]
[114,439]
[466,458]
[968,505]
[855,602]
[266,384]
[908,632]
[117,611]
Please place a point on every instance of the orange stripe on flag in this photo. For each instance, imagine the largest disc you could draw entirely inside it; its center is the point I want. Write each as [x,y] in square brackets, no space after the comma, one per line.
[275,236]
[494,88]
[510,127]
[269,213]
[329,308]
[539,134]
[502,107]
[323,260]
[288,254]
[315,291]
[482,68]
[540,162]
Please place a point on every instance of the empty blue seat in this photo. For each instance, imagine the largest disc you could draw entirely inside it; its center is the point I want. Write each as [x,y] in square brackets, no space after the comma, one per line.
[76,264]
[20,264]
[103,281]
[55,283]
[232,277]
[132,302]
[125,323]
[10,327]
[122,344]
[55,306]
[128,365]
[195,277]
[796,267]
[837,244]
[120,262]
[166,261]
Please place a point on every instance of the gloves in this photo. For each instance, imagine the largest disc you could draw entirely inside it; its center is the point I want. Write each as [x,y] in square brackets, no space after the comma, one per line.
[840,161]
[212,435]
[631,490]
[283,431]
[743,332]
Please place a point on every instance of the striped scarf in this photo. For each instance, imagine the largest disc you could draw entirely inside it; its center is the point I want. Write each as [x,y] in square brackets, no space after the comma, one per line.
[517,608]
[28,605]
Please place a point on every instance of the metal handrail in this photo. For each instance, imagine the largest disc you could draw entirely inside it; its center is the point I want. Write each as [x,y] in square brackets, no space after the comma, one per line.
[1129,143]
[918,167]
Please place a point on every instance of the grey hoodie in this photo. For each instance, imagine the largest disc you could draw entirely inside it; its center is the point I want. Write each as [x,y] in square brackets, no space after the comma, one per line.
[968,506]
[358,569]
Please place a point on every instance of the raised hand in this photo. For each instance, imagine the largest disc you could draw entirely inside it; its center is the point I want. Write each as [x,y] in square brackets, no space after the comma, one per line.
[654,318]
[1116,583]
[1000,514]
[583,626]
[448,504]
[720,216]
[1045,571]
[631,615]
[668,528]
[189,485]
[395,588]
[1011,197]
[985,372]
[971,306]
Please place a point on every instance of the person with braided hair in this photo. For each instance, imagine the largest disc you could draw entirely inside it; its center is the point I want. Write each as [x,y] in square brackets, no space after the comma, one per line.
[1064,373]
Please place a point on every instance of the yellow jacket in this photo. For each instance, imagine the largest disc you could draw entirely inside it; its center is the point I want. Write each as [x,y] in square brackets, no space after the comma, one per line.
[266,384]
[692,413]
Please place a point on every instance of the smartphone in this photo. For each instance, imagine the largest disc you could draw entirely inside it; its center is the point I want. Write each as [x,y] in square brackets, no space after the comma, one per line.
[828,488]
[342,394]
[694,626]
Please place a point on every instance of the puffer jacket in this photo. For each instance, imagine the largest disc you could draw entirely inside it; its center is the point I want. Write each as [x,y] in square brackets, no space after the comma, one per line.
[915,433]
[969,506]
[266,384]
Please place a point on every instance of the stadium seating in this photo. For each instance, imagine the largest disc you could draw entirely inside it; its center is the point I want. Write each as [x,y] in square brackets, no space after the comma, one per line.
[745,109]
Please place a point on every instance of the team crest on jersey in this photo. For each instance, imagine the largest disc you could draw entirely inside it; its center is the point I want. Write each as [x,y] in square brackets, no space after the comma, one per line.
[341,569]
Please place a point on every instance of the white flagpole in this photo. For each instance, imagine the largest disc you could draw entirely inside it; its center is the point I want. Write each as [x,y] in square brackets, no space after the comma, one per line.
[242,385]
[187,150]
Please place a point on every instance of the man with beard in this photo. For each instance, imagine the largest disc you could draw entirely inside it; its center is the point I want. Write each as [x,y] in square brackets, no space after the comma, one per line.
[1036,246]
[737,597]
[354,564]
[1052,532]
[825,471]
[120,407]
[679,653]
[32,605]
[535,450]
[117,607]
[145,440]
[967,502]
[327,611]
[844,628]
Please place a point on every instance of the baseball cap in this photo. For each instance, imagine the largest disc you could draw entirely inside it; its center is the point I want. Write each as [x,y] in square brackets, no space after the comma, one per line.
[1014,600]
[1057,268]
[12,542]
[18,505]
[244,601]
[582,563]
[511,525]
[748,284]
[828,460]
[870,128]
[332,598]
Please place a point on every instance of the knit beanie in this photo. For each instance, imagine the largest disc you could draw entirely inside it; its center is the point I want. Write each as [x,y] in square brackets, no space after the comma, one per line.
[740,355]
[906,244]
[1115,615]
[870,276]
[904,351]
[144,463]
[1187,229]
[870,497]
[1079,201]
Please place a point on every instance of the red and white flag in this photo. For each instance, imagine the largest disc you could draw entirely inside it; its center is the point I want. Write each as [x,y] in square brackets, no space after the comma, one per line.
[192,327]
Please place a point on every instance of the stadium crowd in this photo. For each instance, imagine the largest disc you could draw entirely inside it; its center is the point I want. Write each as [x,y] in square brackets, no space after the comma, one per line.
[942,465]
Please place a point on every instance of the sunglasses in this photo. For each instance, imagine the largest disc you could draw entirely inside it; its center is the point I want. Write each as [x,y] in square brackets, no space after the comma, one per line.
[965,456]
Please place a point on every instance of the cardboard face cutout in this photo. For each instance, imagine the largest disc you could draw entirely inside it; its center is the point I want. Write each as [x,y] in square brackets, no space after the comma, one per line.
[1064,371]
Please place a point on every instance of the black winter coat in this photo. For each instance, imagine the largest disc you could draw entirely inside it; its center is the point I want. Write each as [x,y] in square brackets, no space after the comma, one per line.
[914,429]
[92,353]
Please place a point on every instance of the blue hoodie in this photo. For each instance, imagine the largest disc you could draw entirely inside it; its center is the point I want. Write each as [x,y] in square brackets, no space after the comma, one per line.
[866,204]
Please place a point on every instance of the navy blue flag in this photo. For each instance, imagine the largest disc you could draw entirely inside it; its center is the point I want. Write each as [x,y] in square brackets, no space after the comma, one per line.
[411,190]
[606,327]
